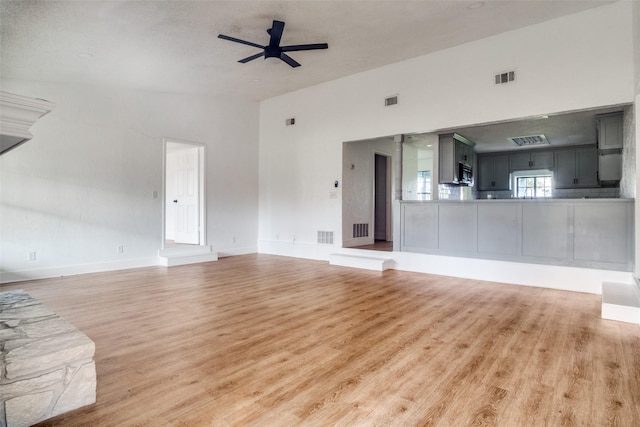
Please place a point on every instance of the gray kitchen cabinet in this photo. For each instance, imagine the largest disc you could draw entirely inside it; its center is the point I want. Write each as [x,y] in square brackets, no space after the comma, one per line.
[493,172]
[609,131]
[534,159]
[576,167]
[453,149]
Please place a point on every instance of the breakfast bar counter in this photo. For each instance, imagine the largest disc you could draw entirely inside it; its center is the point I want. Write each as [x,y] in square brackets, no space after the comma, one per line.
[590,233]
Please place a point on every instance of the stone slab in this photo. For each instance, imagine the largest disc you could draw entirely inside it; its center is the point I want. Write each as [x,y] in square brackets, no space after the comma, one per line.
[46,364]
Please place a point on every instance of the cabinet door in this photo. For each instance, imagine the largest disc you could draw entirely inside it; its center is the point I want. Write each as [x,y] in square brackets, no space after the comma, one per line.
[587,167]
[519,161]
[501,172]
[485,173]
[542,160]
[565,170]
[610,132]
[447,174]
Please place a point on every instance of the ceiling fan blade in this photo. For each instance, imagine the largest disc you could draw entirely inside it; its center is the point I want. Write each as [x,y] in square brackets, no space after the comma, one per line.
[252,57]
[296,47]
[276,33]
[233,39]
[289,60]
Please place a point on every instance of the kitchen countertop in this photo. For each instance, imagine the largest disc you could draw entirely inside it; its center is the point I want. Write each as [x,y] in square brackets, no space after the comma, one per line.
[581,200]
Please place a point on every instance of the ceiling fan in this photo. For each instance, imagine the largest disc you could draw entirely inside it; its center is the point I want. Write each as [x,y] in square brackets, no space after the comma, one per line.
[273,49]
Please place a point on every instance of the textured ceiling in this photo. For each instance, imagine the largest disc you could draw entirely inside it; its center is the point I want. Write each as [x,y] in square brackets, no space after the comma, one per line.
[171,46]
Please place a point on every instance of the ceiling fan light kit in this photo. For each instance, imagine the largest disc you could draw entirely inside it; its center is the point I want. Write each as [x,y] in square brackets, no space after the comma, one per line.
[273,49]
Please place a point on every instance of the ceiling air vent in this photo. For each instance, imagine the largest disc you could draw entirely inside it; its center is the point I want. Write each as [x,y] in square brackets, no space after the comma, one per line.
[527,141]
[392,100]
[291,121]
[506,77]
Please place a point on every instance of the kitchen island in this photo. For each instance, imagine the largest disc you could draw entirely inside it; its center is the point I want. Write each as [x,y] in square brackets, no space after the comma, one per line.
[589,233]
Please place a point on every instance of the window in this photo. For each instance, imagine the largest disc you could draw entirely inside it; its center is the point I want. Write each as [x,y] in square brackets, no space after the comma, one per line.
[531,187]
[423,187]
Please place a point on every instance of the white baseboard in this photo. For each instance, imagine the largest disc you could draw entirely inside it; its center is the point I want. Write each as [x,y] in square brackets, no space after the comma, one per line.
[296,250]
[72,270]
[246,250]
[545,276]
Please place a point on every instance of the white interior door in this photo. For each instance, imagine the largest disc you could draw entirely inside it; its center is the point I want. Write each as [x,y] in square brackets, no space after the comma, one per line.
[187,198]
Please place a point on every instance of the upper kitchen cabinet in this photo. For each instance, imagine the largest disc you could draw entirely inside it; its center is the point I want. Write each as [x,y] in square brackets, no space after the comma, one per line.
[455,157]
[534,159]
[493,172]
[576,167]
[609,131]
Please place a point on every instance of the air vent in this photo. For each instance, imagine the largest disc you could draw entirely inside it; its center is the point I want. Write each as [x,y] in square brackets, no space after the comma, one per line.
[505,77]
[527,141]
[325,237]
[392,100]
[360,230]
[291,121]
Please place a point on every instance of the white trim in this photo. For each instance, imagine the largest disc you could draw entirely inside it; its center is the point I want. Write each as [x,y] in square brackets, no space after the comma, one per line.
[72,270]
[575,279]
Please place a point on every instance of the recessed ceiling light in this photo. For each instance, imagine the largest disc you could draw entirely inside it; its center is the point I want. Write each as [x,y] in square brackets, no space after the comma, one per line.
[84,55]
[476,5]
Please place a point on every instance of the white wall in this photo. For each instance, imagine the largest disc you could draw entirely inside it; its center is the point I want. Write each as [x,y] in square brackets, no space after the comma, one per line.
[84,184]
[580,61]
[635,16]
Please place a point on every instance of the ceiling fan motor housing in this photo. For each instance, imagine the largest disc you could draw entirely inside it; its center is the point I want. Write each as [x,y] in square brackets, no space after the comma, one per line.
[273,49]
[272,52]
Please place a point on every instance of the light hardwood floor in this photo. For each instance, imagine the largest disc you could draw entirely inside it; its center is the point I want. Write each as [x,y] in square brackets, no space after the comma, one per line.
[264,340]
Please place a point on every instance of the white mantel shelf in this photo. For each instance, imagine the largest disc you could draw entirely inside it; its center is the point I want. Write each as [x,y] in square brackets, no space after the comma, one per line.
[17,114]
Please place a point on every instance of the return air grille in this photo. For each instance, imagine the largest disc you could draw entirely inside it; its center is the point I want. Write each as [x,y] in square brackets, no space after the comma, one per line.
[392,100]
[506,77]
[325,237]
[527,141]
[360,230]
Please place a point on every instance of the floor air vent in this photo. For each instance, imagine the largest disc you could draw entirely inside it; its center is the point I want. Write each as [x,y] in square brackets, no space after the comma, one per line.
[360,230]
[325,237]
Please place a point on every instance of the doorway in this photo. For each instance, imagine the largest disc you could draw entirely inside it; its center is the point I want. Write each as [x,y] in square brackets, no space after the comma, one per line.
[184,204]
[382,200]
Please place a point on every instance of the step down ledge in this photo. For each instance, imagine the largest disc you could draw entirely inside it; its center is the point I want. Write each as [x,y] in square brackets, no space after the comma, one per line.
[170,257]
[620,302]
[359,261]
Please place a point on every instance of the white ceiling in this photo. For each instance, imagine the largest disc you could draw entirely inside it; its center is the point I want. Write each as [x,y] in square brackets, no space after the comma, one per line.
[172,46]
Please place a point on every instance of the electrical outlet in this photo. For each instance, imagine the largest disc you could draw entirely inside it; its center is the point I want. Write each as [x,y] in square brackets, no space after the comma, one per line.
[32,255]
[234,239]
[120,249]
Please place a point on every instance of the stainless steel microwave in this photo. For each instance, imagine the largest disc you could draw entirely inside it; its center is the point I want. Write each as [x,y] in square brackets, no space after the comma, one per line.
[465,174]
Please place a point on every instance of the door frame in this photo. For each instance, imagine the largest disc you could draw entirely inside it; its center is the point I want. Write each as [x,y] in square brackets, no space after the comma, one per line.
[202,208]
[388,196]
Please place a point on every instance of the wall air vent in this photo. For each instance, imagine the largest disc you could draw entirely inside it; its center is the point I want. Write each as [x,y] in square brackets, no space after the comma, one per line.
[527,141]
[291,121]
[360,230]
[325,237]
[392,100]
[505,77]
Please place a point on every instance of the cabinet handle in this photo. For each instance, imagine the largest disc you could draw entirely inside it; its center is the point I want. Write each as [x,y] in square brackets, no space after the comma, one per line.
[493,183]
[530,163]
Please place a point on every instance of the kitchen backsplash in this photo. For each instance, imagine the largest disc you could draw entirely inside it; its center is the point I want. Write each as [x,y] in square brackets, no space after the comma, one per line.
[570,193]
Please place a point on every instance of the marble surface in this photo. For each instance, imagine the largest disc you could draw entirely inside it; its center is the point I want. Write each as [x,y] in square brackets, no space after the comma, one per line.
[47,365]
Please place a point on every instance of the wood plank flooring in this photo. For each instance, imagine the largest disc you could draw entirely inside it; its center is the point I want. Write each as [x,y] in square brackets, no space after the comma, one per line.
[273,341]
